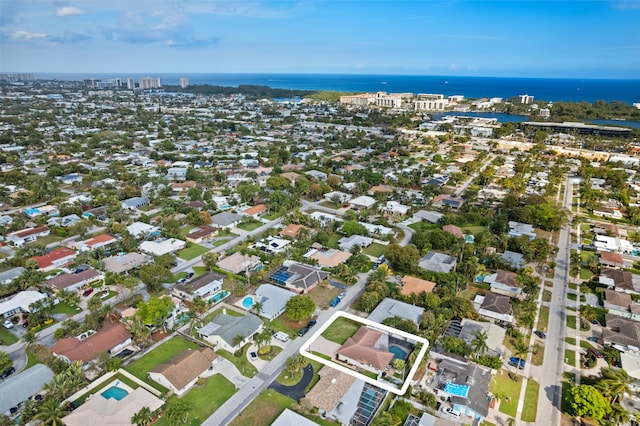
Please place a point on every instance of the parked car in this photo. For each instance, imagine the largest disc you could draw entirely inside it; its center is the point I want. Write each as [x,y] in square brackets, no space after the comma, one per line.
[312,323]
[190,275]
[87,292]
[540,334]
[282,336]
[253,356]
[181,281]
[303,331]
[517,362]
[595,353]
[593,339]
[7,324]
[342,295]
[7,372]
[335,302]
[451,412]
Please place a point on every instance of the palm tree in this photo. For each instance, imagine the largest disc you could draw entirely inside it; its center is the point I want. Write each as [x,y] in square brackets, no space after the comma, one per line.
[138,328]
[479,343]
[30,337]
[618,415]
[142,417]
[50,412]
[616,381]
[237,340]
[263,339]
[178,412]
[257,308]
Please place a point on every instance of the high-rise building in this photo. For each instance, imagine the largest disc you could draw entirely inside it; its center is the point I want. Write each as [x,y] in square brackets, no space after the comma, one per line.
[184,82]
[149,83]
[91,83]
[131,84]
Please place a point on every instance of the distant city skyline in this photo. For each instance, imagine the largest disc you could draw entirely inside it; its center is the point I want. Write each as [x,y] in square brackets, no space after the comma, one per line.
[569,39]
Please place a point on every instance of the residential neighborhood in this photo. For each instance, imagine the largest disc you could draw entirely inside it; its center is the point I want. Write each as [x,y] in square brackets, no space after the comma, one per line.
[166,253]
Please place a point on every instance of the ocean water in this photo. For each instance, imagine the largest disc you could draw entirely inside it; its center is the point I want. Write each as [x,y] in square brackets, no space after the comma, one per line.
[548,89]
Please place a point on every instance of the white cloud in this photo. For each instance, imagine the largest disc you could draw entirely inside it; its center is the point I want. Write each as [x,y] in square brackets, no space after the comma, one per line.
[68,11]
[26,35]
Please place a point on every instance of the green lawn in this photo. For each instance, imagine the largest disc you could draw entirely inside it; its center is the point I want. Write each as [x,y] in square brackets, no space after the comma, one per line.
[426,226]
[341,329]
[220,242]
[281,324]
[65,308]
[585,274]
[572,296]
[199,270]
[474,230]
[6,337]
[250,226]
[530,401]
[177,277]
[192,251]
[272,216]
[570,340]
[509,391]
[32,359]
[289,379]
[316,377]
[543,318]
[546,296]
[585,344]
[163,353]
[573,286]
[570,357]
[241,362]
[537,355]
[571,321]
[375,250]
[204,399]
[273,352]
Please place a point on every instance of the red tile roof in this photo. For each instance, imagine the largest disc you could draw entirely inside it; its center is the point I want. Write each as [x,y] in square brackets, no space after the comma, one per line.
[48,259]
[110,336]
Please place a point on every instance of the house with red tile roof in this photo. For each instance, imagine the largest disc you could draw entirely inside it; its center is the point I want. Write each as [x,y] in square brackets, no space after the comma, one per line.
[96,242]
[255,211]
[111,339]
[56,259]
[24,236]
[366,349]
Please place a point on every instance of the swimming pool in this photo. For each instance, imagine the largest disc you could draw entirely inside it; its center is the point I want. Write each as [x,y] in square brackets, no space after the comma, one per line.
[457,390]
[219,296]
[398,352]
[248,302]
[115,393]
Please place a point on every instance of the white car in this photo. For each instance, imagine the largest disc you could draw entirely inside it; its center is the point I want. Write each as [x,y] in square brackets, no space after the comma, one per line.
[451,412]
[8,324]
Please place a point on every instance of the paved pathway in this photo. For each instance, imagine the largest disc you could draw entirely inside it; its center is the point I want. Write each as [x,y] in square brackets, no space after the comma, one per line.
[295,392]
[230,372]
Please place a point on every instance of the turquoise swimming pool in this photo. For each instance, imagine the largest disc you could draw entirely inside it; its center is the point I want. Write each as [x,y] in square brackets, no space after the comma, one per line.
[115,393]
[248,302]
[398,352]
[219,296]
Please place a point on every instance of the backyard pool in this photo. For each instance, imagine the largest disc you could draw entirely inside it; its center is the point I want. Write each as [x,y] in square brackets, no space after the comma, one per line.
[398,352]
[248,302]
[115,393]
[635,252]
[219,296]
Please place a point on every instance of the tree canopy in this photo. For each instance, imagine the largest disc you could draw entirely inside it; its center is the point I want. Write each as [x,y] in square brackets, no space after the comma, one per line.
[300,307]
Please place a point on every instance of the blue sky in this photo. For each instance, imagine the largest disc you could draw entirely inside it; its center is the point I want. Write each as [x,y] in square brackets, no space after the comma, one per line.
[584,39]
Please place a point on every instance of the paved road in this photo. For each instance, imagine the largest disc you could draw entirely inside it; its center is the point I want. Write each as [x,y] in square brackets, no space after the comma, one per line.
[551,373]
[234,405]
[458,192]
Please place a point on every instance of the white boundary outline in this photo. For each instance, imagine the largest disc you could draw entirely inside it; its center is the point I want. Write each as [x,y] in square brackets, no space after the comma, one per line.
[304,351]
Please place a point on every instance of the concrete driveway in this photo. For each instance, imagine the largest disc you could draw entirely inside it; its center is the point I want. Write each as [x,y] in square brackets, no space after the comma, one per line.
[230,372]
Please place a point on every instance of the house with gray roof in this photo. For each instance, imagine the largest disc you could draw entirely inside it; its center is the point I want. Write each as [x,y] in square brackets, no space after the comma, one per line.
[347,243]
[517,229]
[273,300]
[223,330]
[177,174]
[205,286]
[10,274]
[226,220]
[494,306]
[298,277]
[390,308]
[516,260]
[134,203]
[438,262]
[20,387]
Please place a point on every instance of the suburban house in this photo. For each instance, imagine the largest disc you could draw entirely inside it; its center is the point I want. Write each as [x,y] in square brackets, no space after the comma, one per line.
[427,419]
[622,332]
[517,229]
[113,338]
[101,411]
[141,229]
[292,230]
[613,244]
[620,280]
[19,303]
[347,243]
[466,386]
[611,260]
[516,260]
[134,203]
[291,418]
[467,330]
[47,211]
[298,277]
[438,262]
[621,304]
[177,174]
[454,230]
[75,281]
[201,233]
[362,202]
[162,246]
[99,241]
[413,285]
[390,308]
[226,220]
[503,282]
[65,221]
[339,196]
[272,244]
[181,372]
[367,349]
[428,216]
[204,286]
[224,331]
[238,263]
[20,387]
[124,263]
[255,211]
[56,259]
[446,201]
[9,275]
[20,238]
[328,258]
[494,306]
[394,209]
[273,300]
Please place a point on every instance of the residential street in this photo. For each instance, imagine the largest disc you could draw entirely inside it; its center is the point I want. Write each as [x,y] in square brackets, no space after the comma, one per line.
[550,377]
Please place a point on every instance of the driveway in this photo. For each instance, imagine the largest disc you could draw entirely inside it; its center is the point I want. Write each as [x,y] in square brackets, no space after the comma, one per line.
[260,363]
[325,347]
[228,370]
[295,392]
